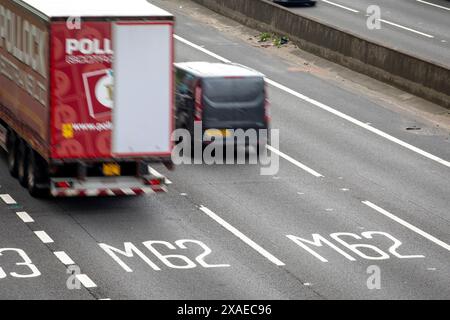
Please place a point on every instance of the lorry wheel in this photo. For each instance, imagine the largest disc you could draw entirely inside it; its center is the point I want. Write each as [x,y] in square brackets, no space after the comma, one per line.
[37,175]
[22,163]
[12,154]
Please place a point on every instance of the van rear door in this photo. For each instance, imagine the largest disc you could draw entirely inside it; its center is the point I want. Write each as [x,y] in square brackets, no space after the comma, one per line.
[233,102]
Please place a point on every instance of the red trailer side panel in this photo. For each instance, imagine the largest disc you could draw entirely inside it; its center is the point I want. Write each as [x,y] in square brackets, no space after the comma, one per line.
[82,86]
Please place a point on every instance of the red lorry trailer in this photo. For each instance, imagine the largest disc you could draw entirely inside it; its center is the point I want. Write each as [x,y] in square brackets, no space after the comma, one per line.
[86,95]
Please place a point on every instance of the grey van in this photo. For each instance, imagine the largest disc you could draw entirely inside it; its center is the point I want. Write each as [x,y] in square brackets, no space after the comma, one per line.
[224,97]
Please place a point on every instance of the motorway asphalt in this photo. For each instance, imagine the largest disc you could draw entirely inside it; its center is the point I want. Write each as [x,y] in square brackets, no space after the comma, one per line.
[245,229]
[419,27]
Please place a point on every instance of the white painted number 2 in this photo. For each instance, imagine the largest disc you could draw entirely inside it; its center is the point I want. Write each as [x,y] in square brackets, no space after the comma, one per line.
[394,247]
[188,264]
[201,258]
[26,263]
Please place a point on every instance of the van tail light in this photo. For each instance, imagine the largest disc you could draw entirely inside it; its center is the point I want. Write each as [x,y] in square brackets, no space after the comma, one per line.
[198,113]
[267,116]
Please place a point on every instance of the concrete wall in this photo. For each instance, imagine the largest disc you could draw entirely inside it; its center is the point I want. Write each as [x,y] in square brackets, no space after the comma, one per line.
[415,75]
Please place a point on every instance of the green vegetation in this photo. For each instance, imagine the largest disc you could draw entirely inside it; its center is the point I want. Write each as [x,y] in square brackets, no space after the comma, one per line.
[263,37]
[276,40]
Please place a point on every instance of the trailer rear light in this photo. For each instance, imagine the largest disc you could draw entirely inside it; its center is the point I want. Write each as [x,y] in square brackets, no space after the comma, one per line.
[63,184]
[198,114]
[153,182]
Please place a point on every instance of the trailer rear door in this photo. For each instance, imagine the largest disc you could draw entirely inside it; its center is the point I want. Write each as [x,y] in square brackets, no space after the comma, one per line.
[142,113]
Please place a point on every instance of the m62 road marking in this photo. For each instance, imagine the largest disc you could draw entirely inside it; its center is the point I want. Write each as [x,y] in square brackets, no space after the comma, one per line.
[173,261]
[320,241]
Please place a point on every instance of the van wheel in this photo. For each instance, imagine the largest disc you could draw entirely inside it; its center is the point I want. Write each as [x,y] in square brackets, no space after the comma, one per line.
[12,154]
[37,175]
[22,164]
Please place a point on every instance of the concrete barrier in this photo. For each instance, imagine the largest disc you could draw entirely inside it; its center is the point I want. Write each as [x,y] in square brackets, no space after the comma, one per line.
[418,76]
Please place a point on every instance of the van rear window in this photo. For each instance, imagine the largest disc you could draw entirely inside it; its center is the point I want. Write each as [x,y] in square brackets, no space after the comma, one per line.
[228,90]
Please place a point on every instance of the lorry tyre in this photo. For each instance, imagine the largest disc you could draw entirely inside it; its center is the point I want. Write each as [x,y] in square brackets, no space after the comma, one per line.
[12,154]
[37,175]
[22,163]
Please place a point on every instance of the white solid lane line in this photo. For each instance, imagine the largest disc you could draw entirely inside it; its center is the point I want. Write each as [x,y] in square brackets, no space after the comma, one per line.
[329,109]
[86,281]
[408,225]
[7,199]
[340,6]
[295,162]
[44,237]
[242,236]
[360,123]
[434,5]
[406,28]
[64,258]
[25,217]
[200,48]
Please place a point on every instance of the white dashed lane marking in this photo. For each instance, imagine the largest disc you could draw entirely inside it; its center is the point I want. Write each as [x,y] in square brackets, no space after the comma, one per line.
[406,28]
[434,5]
[25,217]
[86,281]
[64,258]
[43,236]
[159,175]
[295,162]
[7,199]
[340,6]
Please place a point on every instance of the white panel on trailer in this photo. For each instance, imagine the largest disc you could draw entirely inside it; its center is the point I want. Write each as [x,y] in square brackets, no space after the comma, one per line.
[142,89]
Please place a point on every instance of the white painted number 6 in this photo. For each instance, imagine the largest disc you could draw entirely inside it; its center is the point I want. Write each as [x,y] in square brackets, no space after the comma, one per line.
[381,255]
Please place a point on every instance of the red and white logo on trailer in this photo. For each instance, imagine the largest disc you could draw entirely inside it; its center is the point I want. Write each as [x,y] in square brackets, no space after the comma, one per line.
[99,88]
